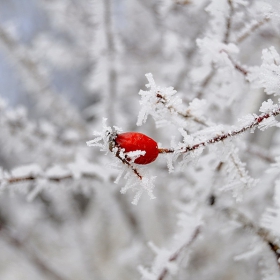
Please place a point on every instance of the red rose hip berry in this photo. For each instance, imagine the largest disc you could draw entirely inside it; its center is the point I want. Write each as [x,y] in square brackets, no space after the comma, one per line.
[133,141]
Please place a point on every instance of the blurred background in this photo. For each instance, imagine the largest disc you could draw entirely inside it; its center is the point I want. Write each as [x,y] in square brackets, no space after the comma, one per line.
[67,64]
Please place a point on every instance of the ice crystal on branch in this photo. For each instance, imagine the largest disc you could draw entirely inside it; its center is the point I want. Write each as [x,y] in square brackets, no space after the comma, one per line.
[216,52]
[238,179]
[166,107]
[158,102]
[104,137]
[267,75]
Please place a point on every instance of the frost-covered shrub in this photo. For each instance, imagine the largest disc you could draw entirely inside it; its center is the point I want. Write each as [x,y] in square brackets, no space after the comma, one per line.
[206,206]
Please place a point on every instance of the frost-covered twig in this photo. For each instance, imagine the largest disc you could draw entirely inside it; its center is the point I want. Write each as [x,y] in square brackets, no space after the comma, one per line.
[186,114]
[257,120]
[236,65]
[175,255]
[263,233]
[229,22]
[166,107]
[32,172]
[127,163]
[255,25]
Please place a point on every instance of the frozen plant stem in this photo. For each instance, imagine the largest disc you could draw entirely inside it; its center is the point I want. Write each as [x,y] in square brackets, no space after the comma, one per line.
[257,120]
[126,162]
[111,73]
[237,66]
[229,19]
[187,114]
[252,29]
[236,215]
[15,180]
[175,256]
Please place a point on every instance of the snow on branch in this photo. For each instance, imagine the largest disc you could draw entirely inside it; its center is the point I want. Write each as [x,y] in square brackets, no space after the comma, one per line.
[262,231]
[27,174]
[250,122]
[166,107]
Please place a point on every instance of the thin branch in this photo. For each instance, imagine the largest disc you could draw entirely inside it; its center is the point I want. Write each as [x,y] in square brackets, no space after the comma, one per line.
[175,256]
[261,232]
[111,53]
[15,180]
[221,137]
[253,28]
[187,114]
[229,22]
[237,66]
[126,162]
[212,73]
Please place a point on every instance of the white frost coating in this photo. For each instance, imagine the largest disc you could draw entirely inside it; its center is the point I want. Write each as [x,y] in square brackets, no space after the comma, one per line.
[82,167]
[268,106]
[241,2]
[271,218]
[161,262]
[217,8]
[189,222]
[197,107]
[158,107]
[57,172]
[246,120]
[138,186]
[137,177]
[102,138]
[31,170]
[213,50]
[266,123]
[40,185]
[135,154]
[267,76]
[238,178]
